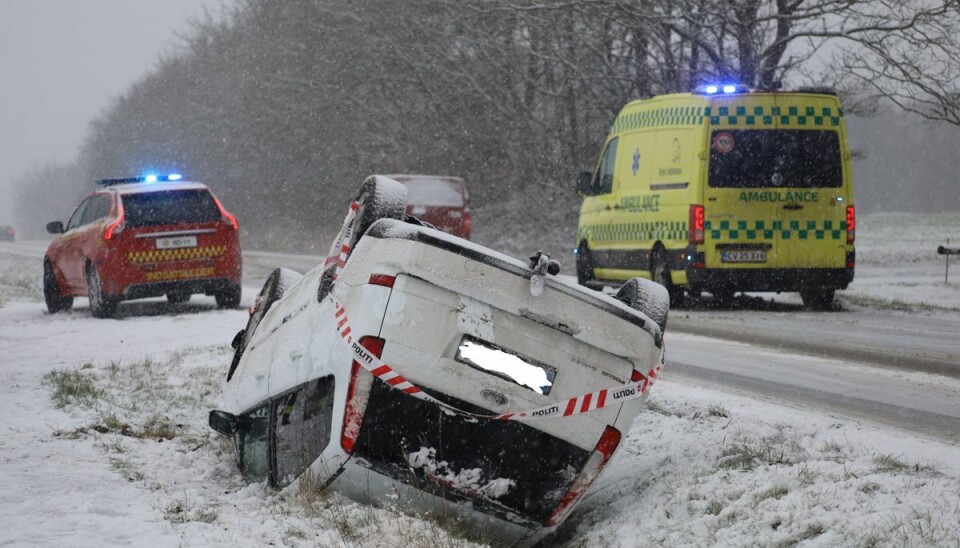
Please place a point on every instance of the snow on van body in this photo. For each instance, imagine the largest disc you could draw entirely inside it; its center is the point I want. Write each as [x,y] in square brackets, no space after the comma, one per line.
[516,481]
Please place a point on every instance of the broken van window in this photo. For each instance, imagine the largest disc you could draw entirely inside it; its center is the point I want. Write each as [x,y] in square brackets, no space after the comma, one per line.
[505,364]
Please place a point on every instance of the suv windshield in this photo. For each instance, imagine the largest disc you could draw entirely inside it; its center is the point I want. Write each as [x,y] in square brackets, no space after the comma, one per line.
[170,207]
[756,158]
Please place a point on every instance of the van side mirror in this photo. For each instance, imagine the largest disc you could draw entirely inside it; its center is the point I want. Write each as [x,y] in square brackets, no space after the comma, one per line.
[583,183]
[56,227]
[223,422]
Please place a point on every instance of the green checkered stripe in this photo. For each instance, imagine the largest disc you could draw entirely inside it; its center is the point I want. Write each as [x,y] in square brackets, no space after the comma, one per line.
[766,230]
[634,232]
[759,116]
[675,116]
[768,116]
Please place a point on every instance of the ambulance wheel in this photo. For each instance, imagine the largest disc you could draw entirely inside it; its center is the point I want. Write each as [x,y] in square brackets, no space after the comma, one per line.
[660,272]
[648,297]
[818,298]
[55,300]
[101,305]
[722,296]
[379,198]
[585,264]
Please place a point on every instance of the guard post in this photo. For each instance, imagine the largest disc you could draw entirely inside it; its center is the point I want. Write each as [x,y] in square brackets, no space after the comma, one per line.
[947,251]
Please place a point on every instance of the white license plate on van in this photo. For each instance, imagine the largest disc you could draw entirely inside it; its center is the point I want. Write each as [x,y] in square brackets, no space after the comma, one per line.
[176,242]
[744,256]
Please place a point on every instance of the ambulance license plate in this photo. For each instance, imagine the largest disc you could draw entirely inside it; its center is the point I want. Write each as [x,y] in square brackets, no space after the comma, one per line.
[744,256]
[176,242]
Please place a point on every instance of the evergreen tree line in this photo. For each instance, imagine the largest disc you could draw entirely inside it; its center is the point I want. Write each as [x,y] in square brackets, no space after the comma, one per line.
[283,106]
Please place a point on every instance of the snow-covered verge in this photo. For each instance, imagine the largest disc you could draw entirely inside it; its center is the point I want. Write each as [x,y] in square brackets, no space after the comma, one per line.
[897,262]
[105,442]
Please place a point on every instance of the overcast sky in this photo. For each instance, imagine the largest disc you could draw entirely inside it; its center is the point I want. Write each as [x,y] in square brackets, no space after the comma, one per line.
[61,63]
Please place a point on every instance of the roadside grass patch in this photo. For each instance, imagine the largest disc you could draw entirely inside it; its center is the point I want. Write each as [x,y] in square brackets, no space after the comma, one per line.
[73,387]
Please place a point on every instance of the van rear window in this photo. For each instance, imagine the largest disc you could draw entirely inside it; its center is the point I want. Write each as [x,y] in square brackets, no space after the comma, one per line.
[788,158]
[170,207]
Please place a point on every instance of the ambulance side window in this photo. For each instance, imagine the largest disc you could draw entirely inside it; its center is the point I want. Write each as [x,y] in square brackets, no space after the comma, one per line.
[603,181]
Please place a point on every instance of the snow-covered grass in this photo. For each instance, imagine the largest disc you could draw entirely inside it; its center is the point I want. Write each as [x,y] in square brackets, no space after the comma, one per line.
[105,442]
[898,266]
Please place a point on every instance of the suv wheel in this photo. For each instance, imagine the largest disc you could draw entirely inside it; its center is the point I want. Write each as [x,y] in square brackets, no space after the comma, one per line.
[228,298]
[101,305]
[178,298]
[56,302]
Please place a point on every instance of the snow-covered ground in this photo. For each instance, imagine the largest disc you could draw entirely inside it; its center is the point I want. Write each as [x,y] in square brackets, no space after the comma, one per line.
[105,441]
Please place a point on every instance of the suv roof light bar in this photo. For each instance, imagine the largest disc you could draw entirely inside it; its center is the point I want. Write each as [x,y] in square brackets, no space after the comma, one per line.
[141,179]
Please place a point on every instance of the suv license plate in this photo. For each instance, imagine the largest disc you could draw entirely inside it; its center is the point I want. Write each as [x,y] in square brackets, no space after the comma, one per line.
[176,242]
[744,256]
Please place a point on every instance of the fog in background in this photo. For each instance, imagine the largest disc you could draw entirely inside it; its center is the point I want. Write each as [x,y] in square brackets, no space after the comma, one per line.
[283,107]
[64,61]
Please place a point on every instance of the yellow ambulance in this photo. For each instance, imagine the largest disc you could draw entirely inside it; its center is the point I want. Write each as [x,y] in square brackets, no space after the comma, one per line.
[723,190]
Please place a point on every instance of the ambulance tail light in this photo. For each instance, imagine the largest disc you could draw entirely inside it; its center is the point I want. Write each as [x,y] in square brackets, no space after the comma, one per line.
[358,392]
[851,224]
[595,462]
[117,224]
[696,224]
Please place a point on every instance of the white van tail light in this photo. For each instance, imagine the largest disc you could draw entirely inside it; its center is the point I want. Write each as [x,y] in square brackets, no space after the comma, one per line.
[851,224]
[358,392]
[598,459]
[382,279]
[696,224]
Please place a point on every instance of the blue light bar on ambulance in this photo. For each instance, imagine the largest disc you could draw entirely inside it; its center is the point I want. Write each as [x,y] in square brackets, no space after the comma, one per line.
[721,89]
[141,179]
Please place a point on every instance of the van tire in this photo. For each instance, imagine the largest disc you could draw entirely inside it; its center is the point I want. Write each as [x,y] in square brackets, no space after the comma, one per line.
[585,264]
[818,298]
[379,198]
[273,289]
[648,297]
[56,301]
[660,273]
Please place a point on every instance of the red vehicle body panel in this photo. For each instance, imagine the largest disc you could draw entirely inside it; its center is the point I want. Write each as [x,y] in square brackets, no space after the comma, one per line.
[439,200]
[129,263]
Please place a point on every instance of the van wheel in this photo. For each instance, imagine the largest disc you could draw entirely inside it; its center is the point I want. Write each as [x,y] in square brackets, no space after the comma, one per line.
[273,289]
[818,298]
[660,272]
[379,198]
[55,300]
[650,298]
[101,305]
[585,264]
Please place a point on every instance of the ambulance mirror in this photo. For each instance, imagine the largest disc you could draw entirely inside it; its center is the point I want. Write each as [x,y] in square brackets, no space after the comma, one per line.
[583,182]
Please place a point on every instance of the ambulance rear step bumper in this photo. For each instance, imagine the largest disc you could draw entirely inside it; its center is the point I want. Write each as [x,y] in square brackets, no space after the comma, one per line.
[768,279]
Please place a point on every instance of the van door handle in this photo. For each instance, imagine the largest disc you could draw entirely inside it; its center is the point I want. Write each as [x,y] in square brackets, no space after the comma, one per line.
[793,206]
